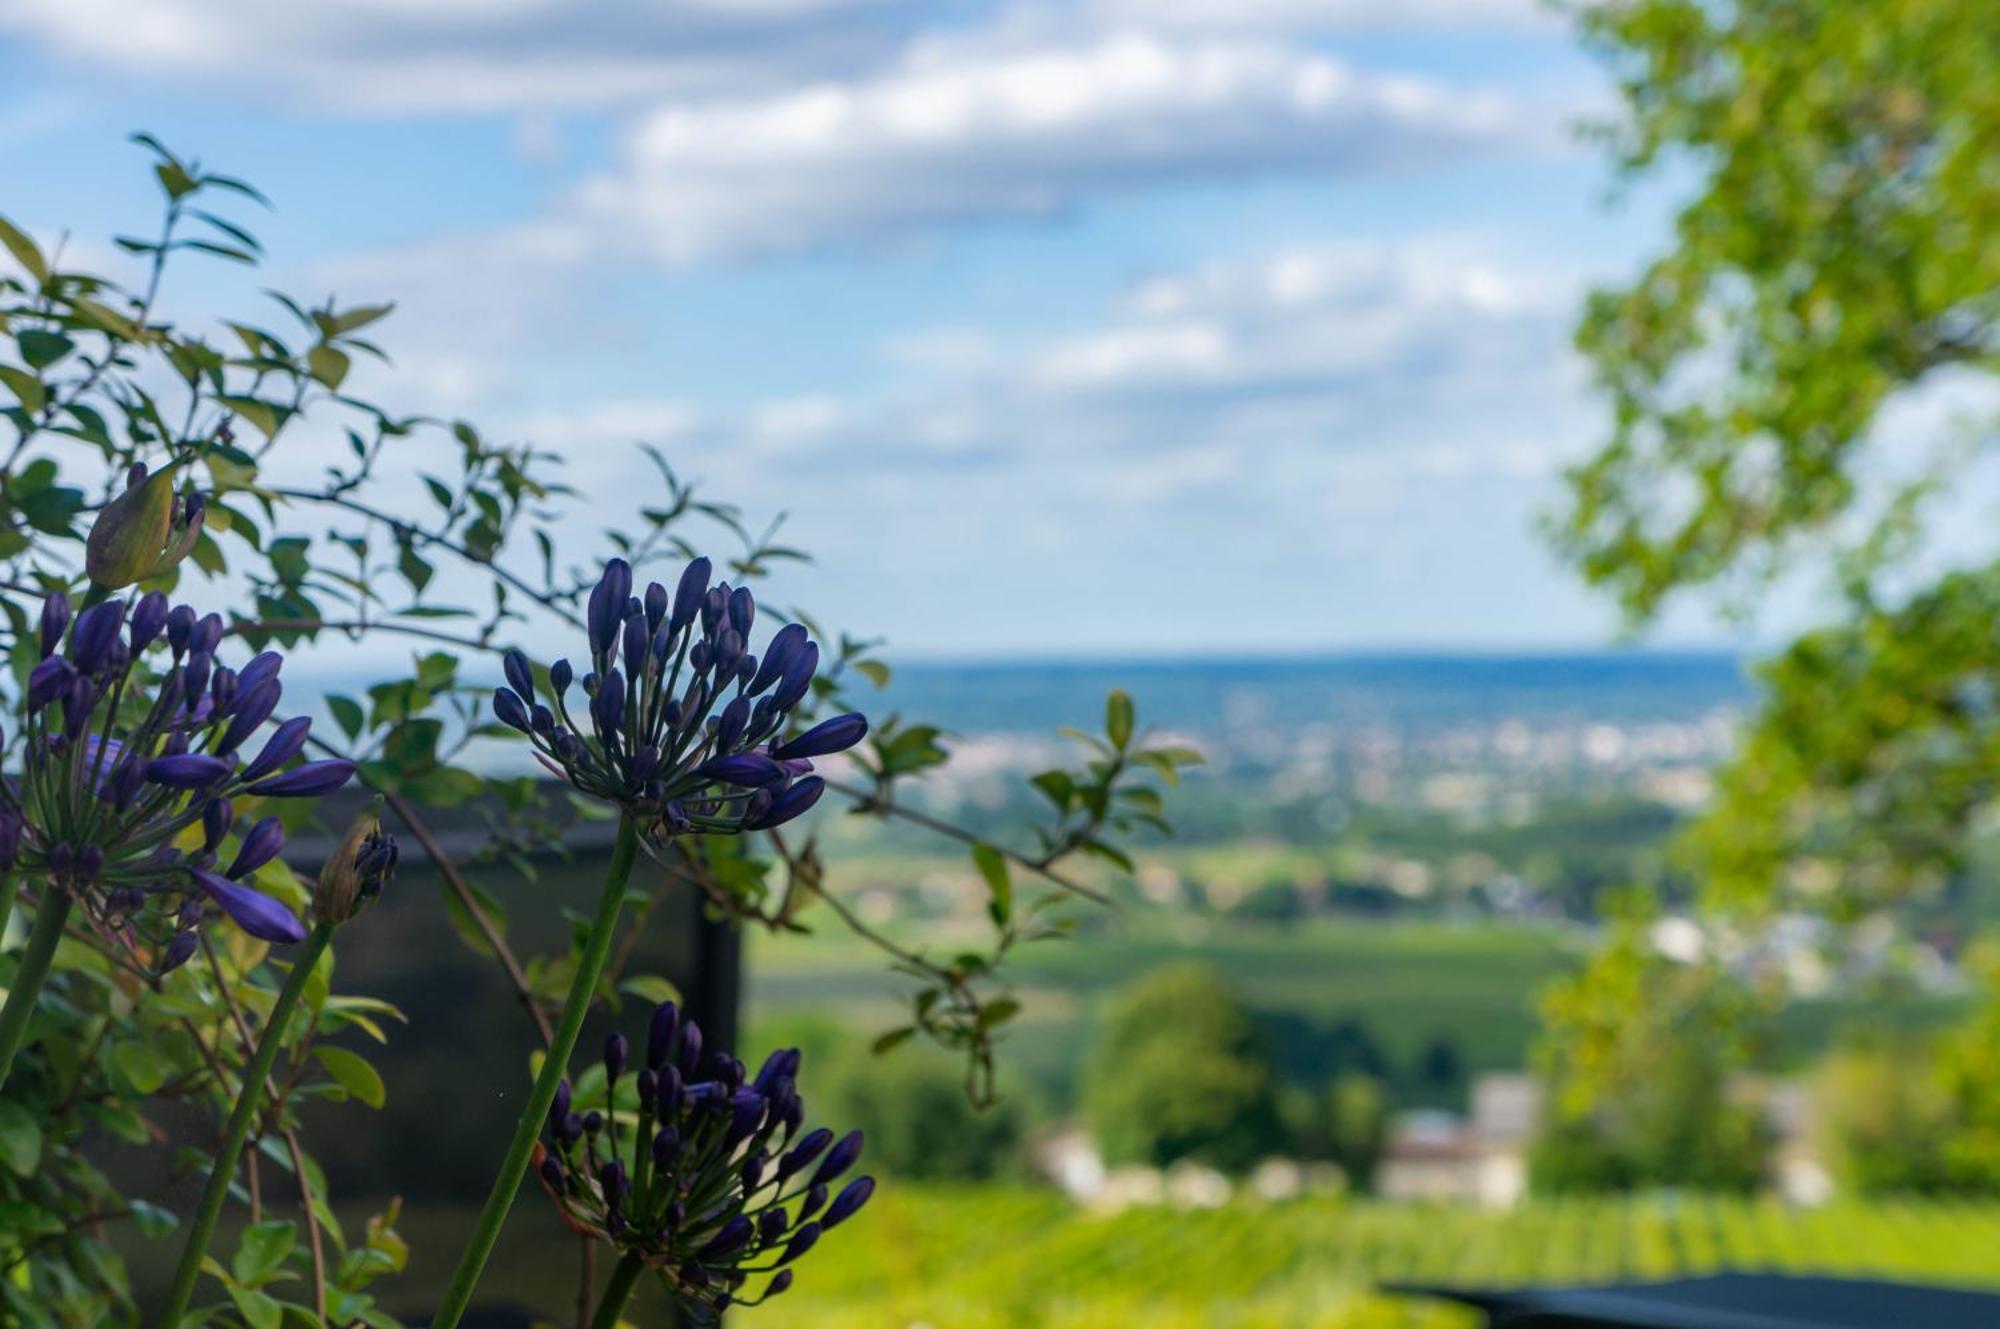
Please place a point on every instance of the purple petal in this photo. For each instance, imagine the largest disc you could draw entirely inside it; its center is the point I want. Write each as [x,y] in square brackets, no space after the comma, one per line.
[253,911]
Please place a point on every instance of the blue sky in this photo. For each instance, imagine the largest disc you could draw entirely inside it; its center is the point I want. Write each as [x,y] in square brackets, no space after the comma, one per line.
[1101,327]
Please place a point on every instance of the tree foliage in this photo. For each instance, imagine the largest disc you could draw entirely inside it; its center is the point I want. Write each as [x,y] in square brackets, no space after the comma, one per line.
[1180,1073]
[1835,266]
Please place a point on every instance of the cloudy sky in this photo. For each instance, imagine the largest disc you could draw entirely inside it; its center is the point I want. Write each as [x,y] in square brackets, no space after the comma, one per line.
[1108,326]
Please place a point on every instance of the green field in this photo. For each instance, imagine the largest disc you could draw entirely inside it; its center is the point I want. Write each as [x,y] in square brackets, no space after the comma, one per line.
[1006,1258]
[1406,983]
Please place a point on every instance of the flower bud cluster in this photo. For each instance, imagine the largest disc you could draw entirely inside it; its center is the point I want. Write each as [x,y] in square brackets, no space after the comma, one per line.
[120,761]
[701,1173]
[679,721]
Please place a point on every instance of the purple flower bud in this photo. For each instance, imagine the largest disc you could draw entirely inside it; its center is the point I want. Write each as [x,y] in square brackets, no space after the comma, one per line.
[308,781]
[840,1159]
[614,1056]
[49,680]
[666,1147]
[787,643]
[637,644]
[730,1239]
[560,676]
[689,594]
[798,676]
[612,1177]
[778,1284]
[801,1243]
[647,1085]
[814,1202]
[10,838]
[509,709]
[259,847]
[189,770]
[77,705]
[742,610]
[253,707]
[690,1048]
[207,634]
[828,736]
[180,949]
[265,665]
[89,862]
[195,677]
[215,819]
[753,1174]
[714,606]
[728,651]
[149,618]
[657,603]
[519,676]
[746,1109]
[804,1152]
[730,724]
[848,1201]
[286,743]
[553,1175]
[256,913]
[180,629]
[559,1108]
[747,769]
[784,1062]
[660,1033]
[607,606]
[124,784]
[792,803]
[771,1225]
[55,622]
[593,1122]
[96,628]
[607,708]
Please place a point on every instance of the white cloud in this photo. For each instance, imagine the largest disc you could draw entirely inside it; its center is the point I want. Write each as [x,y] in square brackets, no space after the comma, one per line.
[962,132]
[400,56]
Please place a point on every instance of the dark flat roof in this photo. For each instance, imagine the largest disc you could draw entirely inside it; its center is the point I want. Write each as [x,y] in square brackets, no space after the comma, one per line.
[1732,1301]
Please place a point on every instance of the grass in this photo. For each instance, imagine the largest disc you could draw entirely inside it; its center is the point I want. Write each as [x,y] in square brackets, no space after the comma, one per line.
[1004,1258]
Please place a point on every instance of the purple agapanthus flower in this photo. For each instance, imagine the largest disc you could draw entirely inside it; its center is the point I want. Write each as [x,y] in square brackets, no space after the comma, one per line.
[697,1169]
[122,758]
[679,724]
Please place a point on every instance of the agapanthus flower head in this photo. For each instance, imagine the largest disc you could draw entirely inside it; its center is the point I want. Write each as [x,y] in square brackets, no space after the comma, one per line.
[702,1172]
[679,724]
[137,744]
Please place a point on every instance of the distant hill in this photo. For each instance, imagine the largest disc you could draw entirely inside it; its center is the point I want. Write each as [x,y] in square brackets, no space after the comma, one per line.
[1409,692]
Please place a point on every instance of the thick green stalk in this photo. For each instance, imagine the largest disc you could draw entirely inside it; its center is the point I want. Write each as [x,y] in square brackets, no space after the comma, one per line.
[582,989]
[249,1099]
[33,971]
[617,1292]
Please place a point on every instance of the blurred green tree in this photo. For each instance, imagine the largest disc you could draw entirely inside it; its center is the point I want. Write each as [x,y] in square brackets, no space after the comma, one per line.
[1834,278]
[1638,1056]
[1180,1073]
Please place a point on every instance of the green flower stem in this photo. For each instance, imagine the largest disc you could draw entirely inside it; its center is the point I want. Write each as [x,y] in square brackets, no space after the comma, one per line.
[33,971]
[249,1098]
[617,1293]
[582,990]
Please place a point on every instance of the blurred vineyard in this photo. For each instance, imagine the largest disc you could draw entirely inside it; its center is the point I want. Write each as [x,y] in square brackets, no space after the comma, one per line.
[986,1257]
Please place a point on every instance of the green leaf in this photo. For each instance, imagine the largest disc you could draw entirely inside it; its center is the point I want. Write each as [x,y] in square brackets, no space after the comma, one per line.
[42,348]
[24,250]
[328,365]
[260,1310]
[894,1039]
[354,1074]
[261,1252]
[650,987]
[152,1221]
[20,1139]
[992,865]
[347,714]
[1118,718]
[263,417]
[27,389]
[142,1064]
